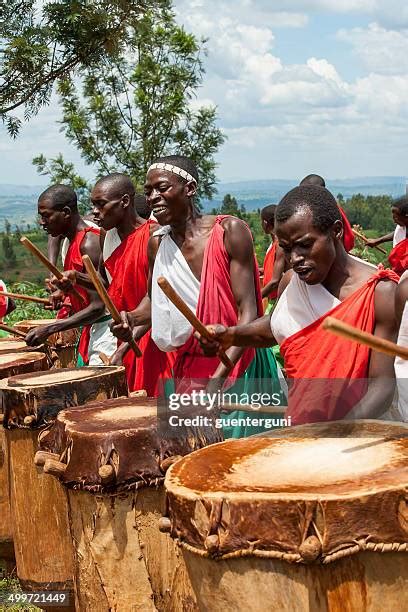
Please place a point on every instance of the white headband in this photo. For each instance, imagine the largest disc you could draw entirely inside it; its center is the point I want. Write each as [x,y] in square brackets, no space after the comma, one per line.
[174,169]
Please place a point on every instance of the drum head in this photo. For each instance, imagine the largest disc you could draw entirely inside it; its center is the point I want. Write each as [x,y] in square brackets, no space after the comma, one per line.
[334,482]
[10,345]
[28,361]
[60,376]
[123,433]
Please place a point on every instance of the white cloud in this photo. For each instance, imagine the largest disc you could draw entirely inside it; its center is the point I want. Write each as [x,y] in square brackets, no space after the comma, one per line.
[381,50]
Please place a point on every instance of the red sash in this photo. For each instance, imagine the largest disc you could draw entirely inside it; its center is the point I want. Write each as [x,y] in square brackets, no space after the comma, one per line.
[348,236]
[329,371]
[268,265]
[73,261]
[216,304]
[128,266]
[398,257]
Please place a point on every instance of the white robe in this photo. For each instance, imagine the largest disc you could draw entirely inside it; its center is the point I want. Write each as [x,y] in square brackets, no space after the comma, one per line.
[170,329]
[400,233]
[401,365]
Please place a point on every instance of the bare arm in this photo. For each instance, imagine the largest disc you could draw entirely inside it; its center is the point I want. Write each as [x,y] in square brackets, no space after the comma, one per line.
[54,247]
[381,384]
[372,242]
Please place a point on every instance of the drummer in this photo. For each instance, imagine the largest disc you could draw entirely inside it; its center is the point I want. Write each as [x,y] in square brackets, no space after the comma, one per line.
[329,373]
[210,262]
[58,211]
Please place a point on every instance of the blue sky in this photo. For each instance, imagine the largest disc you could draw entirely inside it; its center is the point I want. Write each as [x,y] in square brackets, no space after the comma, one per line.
[301,86]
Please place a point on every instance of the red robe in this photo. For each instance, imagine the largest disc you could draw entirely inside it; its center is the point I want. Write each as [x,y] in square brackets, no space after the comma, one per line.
[268,265]
[216,304]
[348,236]
[398,257]
[73,261]
[128,266]
[3,301]
[330,373]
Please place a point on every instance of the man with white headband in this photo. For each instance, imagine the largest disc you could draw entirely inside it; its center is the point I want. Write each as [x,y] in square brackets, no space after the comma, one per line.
[210,262]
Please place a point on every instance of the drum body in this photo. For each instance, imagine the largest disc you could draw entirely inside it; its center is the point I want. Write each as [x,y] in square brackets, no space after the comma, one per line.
[11,364]
[115,459]
[63,343]
[314,518]
[43,545]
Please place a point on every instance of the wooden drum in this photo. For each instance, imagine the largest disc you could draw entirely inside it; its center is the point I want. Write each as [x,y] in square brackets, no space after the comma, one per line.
[13,345]
[11,364]
[313,518]
[42,542]
[63,343]
[112,460]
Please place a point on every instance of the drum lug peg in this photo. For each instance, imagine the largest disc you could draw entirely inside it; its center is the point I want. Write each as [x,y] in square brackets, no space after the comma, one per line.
[107,474]
[42,456]
[55,468]
[310,549]
[212,543]
[164,524]
[166,463]
[29,420]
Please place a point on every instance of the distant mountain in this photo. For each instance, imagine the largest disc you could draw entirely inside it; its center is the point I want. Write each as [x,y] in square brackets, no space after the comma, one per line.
[18,203]
[256,194]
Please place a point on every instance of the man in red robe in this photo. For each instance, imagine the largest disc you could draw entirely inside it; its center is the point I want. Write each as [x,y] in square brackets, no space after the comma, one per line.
[126,267]
[58,211]
[398,257]
[274,264]
[331,377]
[210,262]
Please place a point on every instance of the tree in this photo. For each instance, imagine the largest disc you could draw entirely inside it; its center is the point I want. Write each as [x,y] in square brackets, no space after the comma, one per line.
[8,250]
[138,108]
[230,207]
[41,42]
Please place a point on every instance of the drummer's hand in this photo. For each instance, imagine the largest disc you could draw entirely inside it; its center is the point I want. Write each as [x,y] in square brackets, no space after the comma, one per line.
[56,299]
[214,384]
[118,355]
[221,339]
[371,242]
[67,282]
[38,335]
[122,330]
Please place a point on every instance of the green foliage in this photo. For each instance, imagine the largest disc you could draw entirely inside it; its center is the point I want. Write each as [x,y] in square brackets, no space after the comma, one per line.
[230,206]
[137,108]
[28,310]
[8,250]
[370,212]
[48,40]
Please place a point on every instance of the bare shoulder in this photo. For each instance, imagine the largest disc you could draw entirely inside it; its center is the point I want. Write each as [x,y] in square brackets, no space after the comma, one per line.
[153,227]
[384,300]
[233,224]
[91,242]
[152,246]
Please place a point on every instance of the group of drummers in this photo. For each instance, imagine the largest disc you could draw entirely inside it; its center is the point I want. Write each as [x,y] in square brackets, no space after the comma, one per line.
[192,320]
[209,261]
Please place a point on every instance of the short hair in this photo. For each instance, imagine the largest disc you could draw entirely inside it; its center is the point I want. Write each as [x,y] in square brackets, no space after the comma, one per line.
[401,204]
[120,183]
[268,213]
[60,196]
[320,202]
[313,179]
[141,206]
[181,161]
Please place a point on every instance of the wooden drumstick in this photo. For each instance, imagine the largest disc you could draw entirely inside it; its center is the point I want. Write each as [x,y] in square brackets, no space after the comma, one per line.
[191,317]
[53,269]
[365,239]
[106,299]
[11,330]
[28,298]
[352,333]
[104,358]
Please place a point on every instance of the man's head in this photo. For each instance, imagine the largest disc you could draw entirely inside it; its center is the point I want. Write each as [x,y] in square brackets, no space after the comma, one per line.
[112,197]
[313,179]
[309,229]
[268,218]
[141,206]
[399,209]
[57,208]
[170,187]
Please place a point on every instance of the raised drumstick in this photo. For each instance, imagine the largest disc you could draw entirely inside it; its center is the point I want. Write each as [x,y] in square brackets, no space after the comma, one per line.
[364,239]
[191,317]
[11,330]
[53,269]
[106,299]
[28,298]
[352,333]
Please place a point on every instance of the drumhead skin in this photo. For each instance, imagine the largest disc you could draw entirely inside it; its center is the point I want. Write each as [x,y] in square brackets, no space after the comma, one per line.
[122,433]
[41,396]
[15,363]
[12,345]
[313,492]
